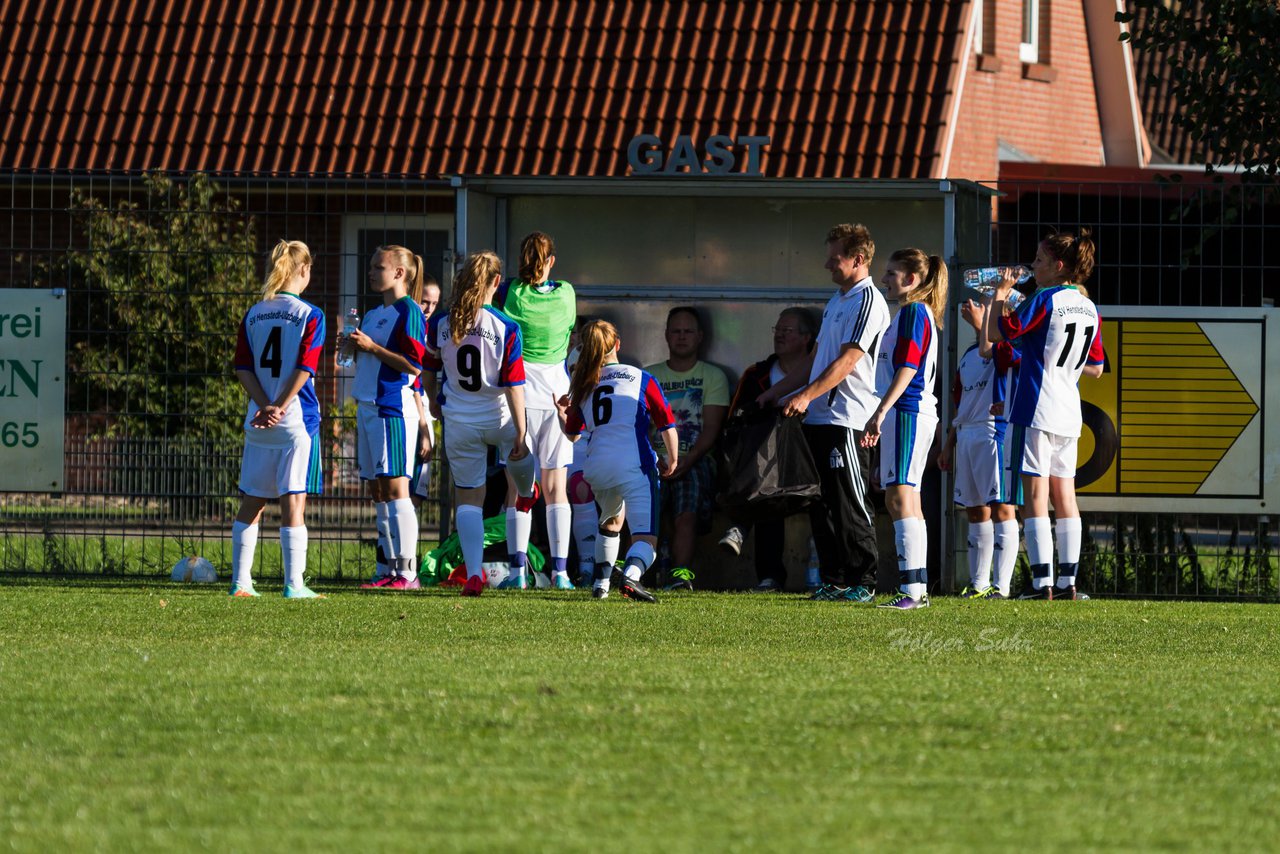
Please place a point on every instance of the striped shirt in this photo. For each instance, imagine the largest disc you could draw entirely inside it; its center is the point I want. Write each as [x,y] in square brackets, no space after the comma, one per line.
[859,317]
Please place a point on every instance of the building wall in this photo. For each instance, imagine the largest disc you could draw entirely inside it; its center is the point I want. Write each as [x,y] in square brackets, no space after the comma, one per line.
[1051,120]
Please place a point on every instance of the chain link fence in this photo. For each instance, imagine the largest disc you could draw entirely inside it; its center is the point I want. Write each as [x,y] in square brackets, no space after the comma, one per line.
[158,269]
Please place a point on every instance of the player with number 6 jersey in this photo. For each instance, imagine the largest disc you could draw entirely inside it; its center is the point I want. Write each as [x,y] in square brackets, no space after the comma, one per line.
[277,355]
[616,404]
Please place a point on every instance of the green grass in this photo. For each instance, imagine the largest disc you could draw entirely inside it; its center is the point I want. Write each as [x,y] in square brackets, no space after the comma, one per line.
[154,716]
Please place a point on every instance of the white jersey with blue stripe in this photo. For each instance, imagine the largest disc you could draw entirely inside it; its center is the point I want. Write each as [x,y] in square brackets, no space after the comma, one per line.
[476,370]
[277,337]
[911,341]
[1057,331]
[618,414]
[400,328]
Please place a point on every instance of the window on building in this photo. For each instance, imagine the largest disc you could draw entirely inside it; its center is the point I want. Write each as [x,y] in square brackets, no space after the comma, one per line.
[1029,49]
[984,37]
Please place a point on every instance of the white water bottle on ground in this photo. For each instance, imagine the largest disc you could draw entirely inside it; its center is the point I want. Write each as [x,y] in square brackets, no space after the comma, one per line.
[346,352]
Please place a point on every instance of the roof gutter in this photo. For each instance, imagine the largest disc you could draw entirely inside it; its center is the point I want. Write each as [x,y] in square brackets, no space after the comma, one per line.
[957,91]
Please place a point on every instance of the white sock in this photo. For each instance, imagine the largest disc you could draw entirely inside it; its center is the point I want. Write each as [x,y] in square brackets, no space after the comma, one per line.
[519,526]
[982,540]
[293,544]
[901,533]
[1039,539]
[470,522]
[559,532]
[918,557]
[404,534]
[586,522]
[1006,554]
[607,545]
[639,558]
[1068,531]
[244,540]
[382,518]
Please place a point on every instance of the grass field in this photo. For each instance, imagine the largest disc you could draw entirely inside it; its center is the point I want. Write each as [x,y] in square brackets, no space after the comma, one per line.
[145,715]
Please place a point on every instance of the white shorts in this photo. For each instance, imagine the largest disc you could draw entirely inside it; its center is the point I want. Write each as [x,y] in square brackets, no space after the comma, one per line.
[467,448]
[636,497]
[269,472]
[979,466]
[550,445]
[905,440]
[1035,452]
[385,446]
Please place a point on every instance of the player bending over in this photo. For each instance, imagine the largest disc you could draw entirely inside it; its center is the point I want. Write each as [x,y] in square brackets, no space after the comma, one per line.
[616,403]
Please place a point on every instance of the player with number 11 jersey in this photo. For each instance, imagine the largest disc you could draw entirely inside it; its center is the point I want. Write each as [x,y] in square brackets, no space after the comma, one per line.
[1057,331]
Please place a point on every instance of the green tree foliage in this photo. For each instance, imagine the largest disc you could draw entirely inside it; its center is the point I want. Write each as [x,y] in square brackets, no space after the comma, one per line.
[168,274]
[1222,73]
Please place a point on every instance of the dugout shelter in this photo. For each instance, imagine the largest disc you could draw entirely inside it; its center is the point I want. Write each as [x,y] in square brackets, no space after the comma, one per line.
[740,249]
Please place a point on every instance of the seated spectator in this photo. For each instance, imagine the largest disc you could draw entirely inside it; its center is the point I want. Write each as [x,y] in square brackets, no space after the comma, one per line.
[699,396]
[792,341]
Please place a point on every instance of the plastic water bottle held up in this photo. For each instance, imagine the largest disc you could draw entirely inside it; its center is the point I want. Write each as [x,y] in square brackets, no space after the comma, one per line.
[347,352]
[984,280]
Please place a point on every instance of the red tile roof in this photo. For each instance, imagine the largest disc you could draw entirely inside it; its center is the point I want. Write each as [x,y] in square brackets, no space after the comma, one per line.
[497,87]
[1159,107]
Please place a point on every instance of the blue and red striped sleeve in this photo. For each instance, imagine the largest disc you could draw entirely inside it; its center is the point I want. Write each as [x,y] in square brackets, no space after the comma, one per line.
[244,356]
[574,423]
[1006,356]
[431,360]
[512,371]
[312,341]
[1026,318]
[659,411]
[410,333]
[914,336]
[1097,355]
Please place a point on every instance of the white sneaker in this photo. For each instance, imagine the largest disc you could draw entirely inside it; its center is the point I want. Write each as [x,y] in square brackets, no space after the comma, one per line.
[732,540]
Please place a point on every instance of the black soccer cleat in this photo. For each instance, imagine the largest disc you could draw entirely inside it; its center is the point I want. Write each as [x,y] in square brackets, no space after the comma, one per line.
[633,590]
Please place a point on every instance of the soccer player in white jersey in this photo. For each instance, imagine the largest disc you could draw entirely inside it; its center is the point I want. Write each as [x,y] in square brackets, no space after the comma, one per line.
[389,348]
[277,354]
[586,521]
[480,400]
[616,404]
[906,419]
[1059,334]
[836,395]
[974,450]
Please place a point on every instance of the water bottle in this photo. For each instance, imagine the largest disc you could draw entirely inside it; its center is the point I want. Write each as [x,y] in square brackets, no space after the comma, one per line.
[984,280]
[346,351]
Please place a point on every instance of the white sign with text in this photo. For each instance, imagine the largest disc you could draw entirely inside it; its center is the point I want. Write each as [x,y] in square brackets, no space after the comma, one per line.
[33,360]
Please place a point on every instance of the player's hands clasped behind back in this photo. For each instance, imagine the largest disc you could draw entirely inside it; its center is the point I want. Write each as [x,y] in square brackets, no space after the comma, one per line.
[268,416]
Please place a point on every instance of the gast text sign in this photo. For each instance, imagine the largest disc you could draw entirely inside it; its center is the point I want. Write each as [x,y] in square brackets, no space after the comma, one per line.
[33,357]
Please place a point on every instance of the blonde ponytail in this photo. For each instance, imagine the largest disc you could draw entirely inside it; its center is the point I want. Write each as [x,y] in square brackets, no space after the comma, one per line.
[931,271]
[535,253]
[287,260]
[598,338]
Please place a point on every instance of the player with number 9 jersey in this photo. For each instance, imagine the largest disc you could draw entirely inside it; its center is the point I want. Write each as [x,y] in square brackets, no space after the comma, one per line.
[476,369]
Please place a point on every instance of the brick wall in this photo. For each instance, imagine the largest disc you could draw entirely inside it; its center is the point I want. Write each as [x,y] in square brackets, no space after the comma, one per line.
[1053,120]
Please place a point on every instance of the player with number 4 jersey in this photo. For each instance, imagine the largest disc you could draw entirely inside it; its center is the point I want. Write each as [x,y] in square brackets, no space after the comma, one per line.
[617,404]
[277,356]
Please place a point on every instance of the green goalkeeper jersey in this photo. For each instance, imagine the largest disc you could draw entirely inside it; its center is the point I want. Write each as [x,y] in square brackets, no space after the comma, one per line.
[546,314]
